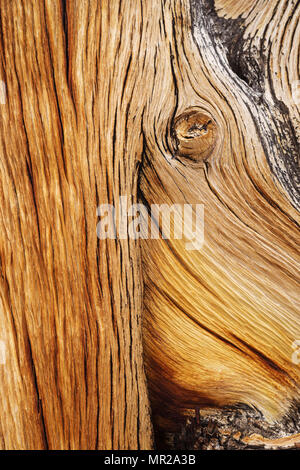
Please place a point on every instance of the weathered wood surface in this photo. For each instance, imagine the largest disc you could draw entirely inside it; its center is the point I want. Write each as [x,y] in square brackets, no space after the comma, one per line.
[220,323]
[70,306]
[98,95]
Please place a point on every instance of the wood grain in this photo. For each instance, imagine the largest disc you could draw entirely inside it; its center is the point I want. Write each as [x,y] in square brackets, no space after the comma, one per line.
[220,322]
[70,305]
[165,101]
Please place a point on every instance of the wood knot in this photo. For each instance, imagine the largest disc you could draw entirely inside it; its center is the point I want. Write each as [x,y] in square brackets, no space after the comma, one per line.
[194,134]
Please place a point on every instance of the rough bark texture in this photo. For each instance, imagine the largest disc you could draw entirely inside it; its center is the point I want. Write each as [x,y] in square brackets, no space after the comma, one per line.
[170,101]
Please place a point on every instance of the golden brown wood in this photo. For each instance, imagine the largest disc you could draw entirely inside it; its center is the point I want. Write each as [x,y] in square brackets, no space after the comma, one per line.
[70,305]
[171,101]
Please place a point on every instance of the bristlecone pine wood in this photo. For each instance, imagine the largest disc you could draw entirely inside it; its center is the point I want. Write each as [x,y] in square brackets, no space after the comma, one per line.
[162,101]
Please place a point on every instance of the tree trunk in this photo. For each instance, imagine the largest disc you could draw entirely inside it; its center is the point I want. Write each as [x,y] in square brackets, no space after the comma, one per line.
[174,102]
